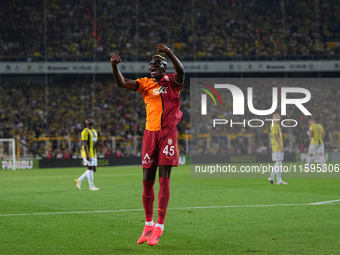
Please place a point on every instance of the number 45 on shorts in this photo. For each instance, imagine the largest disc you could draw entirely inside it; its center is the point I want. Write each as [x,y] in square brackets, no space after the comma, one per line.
[169,150]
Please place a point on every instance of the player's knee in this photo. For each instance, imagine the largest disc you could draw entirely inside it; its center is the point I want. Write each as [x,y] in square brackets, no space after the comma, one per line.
[165,171]
[149,174]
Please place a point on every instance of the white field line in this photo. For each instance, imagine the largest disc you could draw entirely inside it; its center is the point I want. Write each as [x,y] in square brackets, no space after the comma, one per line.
[325,202]
[176,208]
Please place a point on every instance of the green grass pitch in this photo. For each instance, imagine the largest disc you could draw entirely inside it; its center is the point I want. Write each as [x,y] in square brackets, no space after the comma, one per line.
[42,212]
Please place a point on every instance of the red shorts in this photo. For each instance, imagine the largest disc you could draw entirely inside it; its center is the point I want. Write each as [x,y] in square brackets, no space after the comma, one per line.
[160,148]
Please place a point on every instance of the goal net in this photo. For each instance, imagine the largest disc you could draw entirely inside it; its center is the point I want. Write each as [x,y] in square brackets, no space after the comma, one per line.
[7,154]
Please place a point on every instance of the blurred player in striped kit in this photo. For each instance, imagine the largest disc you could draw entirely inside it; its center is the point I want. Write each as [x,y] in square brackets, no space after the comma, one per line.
[316,146]
[277,150]
[89,139]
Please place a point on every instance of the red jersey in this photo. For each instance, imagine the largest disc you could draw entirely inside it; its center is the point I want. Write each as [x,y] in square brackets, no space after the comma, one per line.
[161,101]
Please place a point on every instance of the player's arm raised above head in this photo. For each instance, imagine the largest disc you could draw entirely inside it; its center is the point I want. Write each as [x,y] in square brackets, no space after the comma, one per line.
[179,70]
[121,81]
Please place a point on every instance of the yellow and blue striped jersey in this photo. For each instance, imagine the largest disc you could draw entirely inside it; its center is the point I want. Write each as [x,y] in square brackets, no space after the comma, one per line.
[90,136]
[317,133]
[275,129]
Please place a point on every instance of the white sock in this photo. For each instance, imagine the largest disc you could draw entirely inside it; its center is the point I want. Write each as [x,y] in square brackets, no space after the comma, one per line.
[323,162]
[161,226]
[149,223]
[90,178]
[309,160]
[275,170]
[278,165]
[272,174]
[83,177]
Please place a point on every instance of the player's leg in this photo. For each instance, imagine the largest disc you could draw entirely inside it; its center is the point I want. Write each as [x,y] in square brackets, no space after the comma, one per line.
[149,163]
[149,175]
[164,194]
[279,168]
[90,177]
[321,153]
[278,165]
[272,175]
[79,180]
[167,158]
[311,150]
[90,173]
[309,159]
[279,171]
[163,201]
[273,172]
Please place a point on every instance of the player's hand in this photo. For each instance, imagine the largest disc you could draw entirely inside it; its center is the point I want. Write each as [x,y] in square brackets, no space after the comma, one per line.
[283,149]
[88,158]
[163,48]
[115,60]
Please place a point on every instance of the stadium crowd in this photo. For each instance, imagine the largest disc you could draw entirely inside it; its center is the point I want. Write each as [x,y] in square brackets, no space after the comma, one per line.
[91,30]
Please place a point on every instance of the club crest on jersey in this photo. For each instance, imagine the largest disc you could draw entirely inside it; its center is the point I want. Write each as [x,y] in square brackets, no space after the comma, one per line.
[166,78]
[161,90]
[169,141]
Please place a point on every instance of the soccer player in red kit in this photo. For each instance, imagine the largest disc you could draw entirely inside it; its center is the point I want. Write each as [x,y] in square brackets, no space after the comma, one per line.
[161,97]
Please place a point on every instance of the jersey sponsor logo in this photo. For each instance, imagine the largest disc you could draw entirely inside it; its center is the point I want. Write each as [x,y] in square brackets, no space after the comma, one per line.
[169,141]
[147,160]
[166,78]
[161,90]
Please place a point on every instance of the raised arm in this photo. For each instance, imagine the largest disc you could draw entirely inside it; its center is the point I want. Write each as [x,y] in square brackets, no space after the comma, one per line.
[179,70]
[121,81]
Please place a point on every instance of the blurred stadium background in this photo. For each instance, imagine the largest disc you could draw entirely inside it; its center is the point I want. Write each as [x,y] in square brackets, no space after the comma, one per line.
[55,68]
[55,72]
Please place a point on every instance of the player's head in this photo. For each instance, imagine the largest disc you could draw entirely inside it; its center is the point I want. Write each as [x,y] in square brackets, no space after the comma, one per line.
[276,117]
[157,66]
[311,122]
[88,123]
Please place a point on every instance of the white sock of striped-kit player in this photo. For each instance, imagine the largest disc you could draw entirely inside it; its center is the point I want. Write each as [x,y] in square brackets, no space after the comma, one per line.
[89,175]
[310,158]
[277,171]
